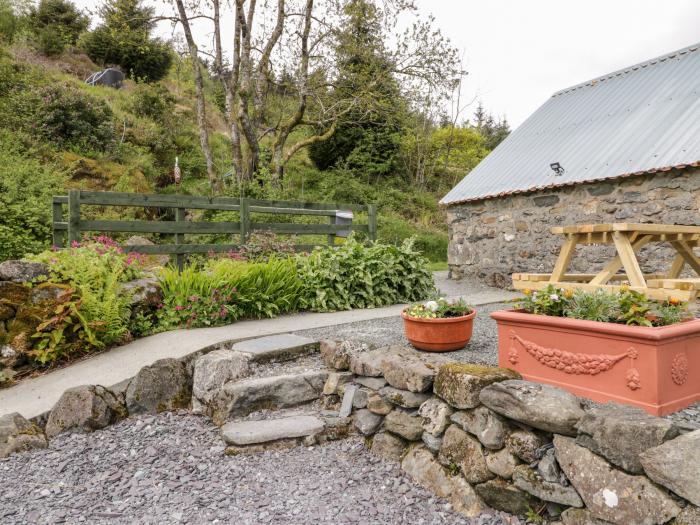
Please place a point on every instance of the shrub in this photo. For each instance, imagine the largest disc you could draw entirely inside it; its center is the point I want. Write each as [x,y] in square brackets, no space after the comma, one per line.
[153,101]
[56,25]
[8,26]
[358,276]
[68,116]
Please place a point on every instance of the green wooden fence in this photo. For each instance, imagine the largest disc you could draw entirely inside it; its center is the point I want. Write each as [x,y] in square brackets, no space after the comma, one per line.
[70,228]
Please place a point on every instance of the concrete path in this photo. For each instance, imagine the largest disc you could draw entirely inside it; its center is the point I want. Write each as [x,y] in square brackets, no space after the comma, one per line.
[33,397]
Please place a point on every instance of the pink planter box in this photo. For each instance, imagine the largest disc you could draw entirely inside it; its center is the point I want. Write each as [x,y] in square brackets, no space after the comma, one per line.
[657,369]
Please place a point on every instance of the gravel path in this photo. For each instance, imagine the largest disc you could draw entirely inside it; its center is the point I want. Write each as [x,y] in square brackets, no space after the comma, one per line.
[170,468]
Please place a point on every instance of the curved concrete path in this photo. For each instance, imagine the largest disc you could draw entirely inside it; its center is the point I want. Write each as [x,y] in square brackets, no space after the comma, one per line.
[33,397]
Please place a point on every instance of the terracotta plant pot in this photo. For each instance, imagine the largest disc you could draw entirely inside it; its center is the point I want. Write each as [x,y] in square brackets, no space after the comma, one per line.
[439,335]
[657,369]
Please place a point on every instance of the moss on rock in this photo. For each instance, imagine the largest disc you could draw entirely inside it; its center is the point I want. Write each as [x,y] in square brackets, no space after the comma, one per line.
[460,383]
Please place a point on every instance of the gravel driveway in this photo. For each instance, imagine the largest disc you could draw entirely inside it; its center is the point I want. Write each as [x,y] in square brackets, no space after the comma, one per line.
[170,468]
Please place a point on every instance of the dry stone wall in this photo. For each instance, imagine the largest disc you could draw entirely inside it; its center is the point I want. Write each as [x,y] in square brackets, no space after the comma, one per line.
[482,437]
[491,239]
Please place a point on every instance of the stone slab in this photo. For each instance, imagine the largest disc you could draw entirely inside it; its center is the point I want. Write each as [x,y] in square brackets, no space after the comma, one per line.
[253,432]
[276,347]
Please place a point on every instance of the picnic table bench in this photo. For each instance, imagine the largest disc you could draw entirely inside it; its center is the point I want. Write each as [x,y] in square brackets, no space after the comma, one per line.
[628,239]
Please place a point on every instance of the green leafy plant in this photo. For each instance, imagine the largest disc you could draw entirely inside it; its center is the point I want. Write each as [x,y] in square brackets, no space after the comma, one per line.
[594,306]
[439,309]
[548,301]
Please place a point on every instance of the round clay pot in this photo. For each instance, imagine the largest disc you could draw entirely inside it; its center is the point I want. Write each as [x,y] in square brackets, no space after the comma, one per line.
[439,335]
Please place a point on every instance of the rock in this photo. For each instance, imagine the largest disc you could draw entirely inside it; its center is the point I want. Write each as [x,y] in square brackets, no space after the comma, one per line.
[501,495]
[368,363]
[254,432]
[378,405]
[359,400]
[373,383]
[404,370]
[13,294]
[460,383]
[336,428]
[541,406]
[524,444]
[389,446]
[145,292]
[278,347]
[436,416]
[367,422]
[459,448]
[337,354]
[676,465]
[548,468]
[211,372]
[404,424]
[47,292]
[690,515]
[502,463]
[162,386]
[620,433]
[19,435]
[610,494]
[22,271]
[335,381]
[531,482]
[9,357]
[574,516]
[241,397]
[403,398]
[348,400]
[84,409]
[424,469]
[489,428]
[432,442]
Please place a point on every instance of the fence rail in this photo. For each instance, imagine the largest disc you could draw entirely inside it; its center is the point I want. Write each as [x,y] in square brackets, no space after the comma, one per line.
[70,228]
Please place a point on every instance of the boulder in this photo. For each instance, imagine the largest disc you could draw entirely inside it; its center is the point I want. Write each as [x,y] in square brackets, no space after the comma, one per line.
[404,370]
[548,468]
[164,385]
[432,442]
[378,405]
[373,383]
[403,398]
[367,422]
[145,292]
[460,448]
[531,482]
[368,363]
[690,515]
[337,354]
[502,463]
[84,409]
[211,372]
[541,406]
[19,435]
[620,433]
[359,400]
[489,428]
[524,444]
[676,465]
[611,494]
[460,383]
[388,446]
[404,424]
[19,271]
[573,516]
[436,416]
[425,470]
[502,495]
[44,292]
[255,432]
[335,382]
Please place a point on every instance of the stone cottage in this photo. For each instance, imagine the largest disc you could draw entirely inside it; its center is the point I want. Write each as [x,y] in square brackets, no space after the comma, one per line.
[624,147]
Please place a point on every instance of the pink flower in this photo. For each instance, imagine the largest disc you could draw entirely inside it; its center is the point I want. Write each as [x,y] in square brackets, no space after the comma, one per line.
[178,308]
[74,244]
[193,298]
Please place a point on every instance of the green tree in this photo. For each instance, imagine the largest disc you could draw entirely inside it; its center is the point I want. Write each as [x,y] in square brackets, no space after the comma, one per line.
[124,39]
[493,131]
[56,25]
[9,21]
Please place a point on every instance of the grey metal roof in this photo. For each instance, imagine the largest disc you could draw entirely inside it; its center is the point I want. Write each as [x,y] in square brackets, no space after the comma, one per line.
[641,119]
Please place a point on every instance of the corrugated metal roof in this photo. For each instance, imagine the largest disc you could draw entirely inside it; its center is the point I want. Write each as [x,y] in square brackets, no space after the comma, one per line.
[641,119]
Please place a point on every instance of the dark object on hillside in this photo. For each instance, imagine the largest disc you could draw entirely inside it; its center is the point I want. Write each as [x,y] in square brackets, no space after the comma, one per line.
[109,77]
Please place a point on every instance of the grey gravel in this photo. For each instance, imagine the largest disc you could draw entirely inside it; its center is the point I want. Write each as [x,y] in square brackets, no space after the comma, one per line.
[170,468]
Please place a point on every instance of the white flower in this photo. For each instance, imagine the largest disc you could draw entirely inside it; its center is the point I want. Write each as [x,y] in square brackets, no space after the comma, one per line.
[431,305]
[554,297]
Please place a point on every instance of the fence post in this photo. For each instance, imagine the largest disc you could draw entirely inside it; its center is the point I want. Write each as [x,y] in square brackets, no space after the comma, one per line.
[73,216]
[331,236]
[59,236]
[372,221]
[245,220]
[180,238]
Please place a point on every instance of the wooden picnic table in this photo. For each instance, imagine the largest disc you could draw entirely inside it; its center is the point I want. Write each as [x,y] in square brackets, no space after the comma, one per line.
[628,239]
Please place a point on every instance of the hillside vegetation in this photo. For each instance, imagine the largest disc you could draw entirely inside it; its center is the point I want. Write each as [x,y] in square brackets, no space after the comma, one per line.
[57,133]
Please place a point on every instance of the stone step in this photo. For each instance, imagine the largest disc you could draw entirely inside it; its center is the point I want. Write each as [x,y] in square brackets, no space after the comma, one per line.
[255,432]
[280,347]
[239,398]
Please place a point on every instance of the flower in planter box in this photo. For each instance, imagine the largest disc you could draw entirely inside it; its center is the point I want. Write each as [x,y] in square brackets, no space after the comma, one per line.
[439,309]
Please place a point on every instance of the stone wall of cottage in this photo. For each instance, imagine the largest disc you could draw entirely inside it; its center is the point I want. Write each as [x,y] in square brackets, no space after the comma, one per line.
[491,239]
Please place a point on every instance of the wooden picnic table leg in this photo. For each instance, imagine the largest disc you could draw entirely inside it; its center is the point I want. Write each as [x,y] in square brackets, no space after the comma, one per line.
[629,259]
[676,267]
[565,255]
[615,264]
[686,252]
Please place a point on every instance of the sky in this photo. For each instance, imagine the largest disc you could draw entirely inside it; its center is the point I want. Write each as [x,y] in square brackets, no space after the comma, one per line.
[519,52]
